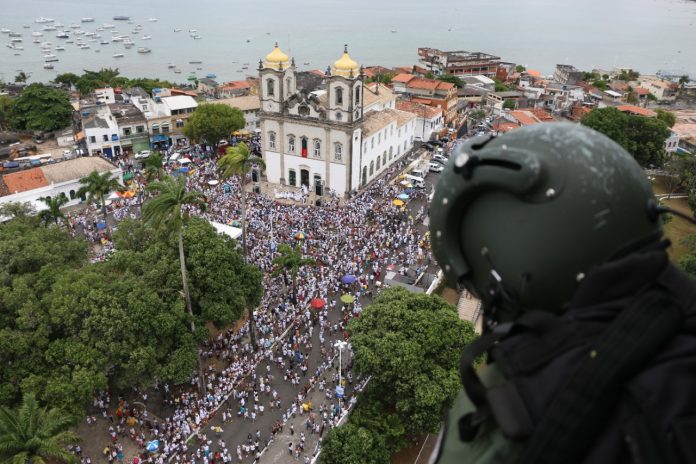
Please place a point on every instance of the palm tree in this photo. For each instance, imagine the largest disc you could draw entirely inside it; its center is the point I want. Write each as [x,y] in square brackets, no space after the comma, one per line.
[96,186]
[53,213]
[166,212]
[291,260]
[153,167]
[238,161]
[34,435]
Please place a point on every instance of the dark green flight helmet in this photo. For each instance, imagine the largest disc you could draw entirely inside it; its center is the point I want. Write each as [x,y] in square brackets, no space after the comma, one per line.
[529,213]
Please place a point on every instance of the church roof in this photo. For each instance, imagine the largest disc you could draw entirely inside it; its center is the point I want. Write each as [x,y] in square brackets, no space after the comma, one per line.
[375,121]
[277,59]
[346,66]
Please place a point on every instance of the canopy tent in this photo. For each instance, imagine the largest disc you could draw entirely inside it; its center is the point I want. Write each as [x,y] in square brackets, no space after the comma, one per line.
[224,229]
[403,197]
[213,182]
[300,236]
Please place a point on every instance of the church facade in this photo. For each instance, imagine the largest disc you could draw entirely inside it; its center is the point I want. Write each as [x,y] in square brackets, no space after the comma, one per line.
[327,131]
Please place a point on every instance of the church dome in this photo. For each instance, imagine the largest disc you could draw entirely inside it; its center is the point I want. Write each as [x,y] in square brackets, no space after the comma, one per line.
[346,66]
[277,59]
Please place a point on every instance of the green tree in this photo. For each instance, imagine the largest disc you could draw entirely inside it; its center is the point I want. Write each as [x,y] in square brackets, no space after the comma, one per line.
[97,186]
[6,107]
[642,137]
[666,116]
[509,104]
[34,435]
[166,212]
[21,77]
[652,97]
[68,79]
[500,87]
[16,209]
[290,261]
[688,264]
[382,78]
[600,84]
[476,116]
[147,84]
[683,80]
[41,108]
[410,345]
[350,444]
[153,166]
[52,211]
[212,122]
[520,68]
[452,79]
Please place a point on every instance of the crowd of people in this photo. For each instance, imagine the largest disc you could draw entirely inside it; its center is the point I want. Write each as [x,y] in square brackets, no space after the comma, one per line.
[361,236]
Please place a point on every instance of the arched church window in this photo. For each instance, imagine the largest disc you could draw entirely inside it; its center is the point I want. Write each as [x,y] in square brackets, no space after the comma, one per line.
[317,148]
[270,87]
[291,144]
[271,140]
[357,95]
[339,96]
[338,151]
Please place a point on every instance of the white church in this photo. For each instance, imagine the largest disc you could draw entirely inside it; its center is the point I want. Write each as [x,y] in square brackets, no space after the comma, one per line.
[328,130]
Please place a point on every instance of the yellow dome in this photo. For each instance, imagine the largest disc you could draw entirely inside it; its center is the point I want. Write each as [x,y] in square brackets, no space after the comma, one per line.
[346,66]
[276,59]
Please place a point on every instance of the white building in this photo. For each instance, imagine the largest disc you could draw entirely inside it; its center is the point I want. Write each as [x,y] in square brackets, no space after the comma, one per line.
[249,105]
[51,180]
[101,131]
[317,131]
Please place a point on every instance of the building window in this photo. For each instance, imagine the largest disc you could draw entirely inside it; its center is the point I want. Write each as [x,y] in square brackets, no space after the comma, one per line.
[179,123]
[165,128]
[391,149]
[303,146]
[379,137]
[139,129]
[127,131]
[404,145]
[155,129]
[92,139]
[364,175]
[338,151]
[373,142]
[144,108]
[317,148]
[291,144]
[105,138]
[292,177]
[364,147]
[339,116]
[384,158]
[357,95]
[270,87]
[271,139]
[379,162]
[372,168]
[72,194]
[339,96]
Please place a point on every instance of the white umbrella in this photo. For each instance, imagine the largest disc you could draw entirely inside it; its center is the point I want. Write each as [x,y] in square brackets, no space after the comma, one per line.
[184,161]
[213,182]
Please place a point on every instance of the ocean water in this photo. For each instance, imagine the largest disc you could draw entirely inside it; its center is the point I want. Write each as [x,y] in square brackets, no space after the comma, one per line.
[647,35]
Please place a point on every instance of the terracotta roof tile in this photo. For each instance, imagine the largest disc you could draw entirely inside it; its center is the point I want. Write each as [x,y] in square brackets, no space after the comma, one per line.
[524,117]
[418,109]
[23,181]
[637,110]
[403,78]
[533,73]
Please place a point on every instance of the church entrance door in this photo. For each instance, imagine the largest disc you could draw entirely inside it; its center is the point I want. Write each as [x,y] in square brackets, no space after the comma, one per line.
[304,177]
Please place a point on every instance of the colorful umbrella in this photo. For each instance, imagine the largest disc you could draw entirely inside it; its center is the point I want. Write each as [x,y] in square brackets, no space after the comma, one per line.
[403,196]
[152,446]
[348,279]
[406,184]
[300,236]
[318,303]
[409,191]
[236,223]
[398,203]
[347,299]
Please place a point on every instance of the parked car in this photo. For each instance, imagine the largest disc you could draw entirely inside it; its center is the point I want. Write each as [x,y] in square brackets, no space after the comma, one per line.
[418,173]
[38,138]
[435,167]
[438,158]
[142,154]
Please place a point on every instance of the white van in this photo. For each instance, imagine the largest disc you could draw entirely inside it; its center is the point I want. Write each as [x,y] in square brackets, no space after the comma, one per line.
[417,182]
[418,173]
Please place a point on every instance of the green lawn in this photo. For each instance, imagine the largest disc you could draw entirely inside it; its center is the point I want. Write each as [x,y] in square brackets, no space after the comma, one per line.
[677,228]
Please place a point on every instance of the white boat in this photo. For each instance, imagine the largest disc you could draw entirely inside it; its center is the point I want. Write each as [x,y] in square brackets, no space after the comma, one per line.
[50,57]
[177,71]
[84,46]
[42,20]
[90,34]
[48,66]
[128,44]
[177,30]
[147,37]
[196,37]
[5,30]
[15,40]
[108,26]
[171,66]
[79,32]
[15,34]
[193,31]
[60,48]
[152,20]
[105,42]
[25,26]
[135,31]
[49,27]
[69,41]
[74,26]
[144,50]
[87,20]
[62,35]
[118,38]
[117,55]
[121,18]
[36,40]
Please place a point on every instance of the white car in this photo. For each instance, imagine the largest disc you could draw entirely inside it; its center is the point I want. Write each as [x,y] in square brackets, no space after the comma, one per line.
[435,167]
[142,154]
[438,158]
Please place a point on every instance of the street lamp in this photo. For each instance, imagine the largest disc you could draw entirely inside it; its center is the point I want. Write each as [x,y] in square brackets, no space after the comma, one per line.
[340,344]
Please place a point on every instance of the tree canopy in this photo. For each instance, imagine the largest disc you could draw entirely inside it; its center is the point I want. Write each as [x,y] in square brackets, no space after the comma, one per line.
[91,80]
[351,444]
[667,117]
[642,137]
[410,346]
[212,122]
[452,79]
[41,108]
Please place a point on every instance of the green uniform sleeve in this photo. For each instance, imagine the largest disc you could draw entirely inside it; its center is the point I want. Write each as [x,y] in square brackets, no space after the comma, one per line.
[489,446]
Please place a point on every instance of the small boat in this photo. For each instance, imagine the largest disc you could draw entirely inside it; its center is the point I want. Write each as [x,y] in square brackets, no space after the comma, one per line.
[306,63]
[177,30]
[92,40]
[108,26]
[121,18]
[50,57]
[152,20]
[144,50]
[49,27]
[36,40]
[117,55]
[74,26]
[210,76]
[171,66]
[193,31]
[42,20]
[25,26]
[62,35]
[248,40]
[199,69]
[118,38]
[135,31]
[245,67]
[37,34]
[15,40]
[105,42]
[196,37]
[5,30]
[15,34]
[87,20]
[146,37]
[177,71]
[195,62]
[393,31]
[79,32]
[17,54]
[96,50]
[48,66]
[84,46]
[60,48]
[69,41]
[90,34]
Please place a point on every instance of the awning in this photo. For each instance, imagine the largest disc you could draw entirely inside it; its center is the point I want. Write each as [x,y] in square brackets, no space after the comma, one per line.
[159,138]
